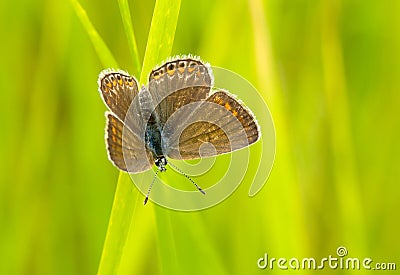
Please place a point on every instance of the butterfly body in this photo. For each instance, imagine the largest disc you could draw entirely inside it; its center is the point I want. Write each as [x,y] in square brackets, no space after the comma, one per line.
[153,141]
[153,138]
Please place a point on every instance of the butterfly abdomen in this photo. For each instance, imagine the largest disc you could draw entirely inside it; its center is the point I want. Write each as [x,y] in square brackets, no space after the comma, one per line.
[153,139]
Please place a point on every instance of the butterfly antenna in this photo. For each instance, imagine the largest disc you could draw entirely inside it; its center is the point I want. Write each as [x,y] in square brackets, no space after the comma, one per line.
[195,184]
[151,186]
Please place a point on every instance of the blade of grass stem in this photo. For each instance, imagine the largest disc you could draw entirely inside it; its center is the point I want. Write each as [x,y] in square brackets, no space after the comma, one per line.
[106,57]
[161,35]
[130,35]
[118,225]
[159,46]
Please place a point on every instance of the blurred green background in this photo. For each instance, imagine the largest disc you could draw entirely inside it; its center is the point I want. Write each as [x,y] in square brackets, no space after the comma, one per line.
[329,72]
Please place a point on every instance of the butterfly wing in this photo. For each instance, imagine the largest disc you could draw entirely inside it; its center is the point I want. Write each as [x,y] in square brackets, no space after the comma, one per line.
[124,130]
[117,89]
[125,150]
[176,84]
[220,121]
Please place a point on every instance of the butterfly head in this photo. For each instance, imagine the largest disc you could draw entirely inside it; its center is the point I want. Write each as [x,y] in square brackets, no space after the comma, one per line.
[161,162]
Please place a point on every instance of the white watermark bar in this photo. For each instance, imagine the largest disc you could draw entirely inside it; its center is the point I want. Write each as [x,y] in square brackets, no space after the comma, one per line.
[339,261]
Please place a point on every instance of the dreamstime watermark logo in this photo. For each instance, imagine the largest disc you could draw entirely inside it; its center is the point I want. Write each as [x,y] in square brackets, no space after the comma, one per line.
[203,112]
[339,261]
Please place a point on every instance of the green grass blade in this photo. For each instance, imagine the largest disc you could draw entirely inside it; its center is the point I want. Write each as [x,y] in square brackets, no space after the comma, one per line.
[130,35]
[106,58]
[118,226]
[161,35]
[159,46]
[118,223]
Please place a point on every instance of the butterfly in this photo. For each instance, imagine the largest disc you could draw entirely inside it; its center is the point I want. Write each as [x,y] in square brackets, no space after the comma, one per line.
[178,115]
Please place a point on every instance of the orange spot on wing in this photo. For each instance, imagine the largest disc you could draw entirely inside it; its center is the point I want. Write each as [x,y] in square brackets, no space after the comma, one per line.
[218,100]
[171,72]
[234,113]
[228,106]
[114,130]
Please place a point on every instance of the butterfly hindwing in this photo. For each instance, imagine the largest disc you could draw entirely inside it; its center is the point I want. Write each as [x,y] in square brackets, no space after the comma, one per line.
[238,111]
[125,149]
[221,121]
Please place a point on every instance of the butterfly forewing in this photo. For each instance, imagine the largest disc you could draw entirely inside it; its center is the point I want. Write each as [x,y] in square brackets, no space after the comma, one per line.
[118,89]
[178,83]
